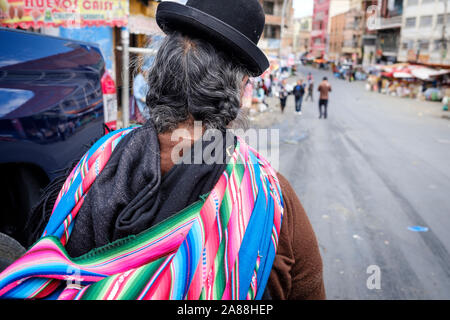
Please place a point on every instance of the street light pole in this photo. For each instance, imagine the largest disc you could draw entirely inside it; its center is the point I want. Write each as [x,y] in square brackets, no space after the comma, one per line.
[125,78]
[444,39]
[283,12]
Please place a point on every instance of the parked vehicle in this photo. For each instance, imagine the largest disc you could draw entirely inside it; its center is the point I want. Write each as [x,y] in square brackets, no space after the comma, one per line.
[51,108]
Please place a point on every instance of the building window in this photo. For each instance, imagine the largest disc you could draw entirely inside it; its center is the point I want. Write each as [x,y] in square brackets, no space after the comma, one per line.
[437,44]
[440,19]
[423,45]
[272,31]
[425,21]
[410,22]
[394,8]
[413,2]
[407,44]
[305,25]
[317,41]
[268,7]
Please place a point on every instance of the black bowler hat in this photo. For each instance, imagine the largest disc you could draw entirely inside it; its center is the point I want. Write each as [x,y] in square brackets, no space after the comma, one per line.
[234,25]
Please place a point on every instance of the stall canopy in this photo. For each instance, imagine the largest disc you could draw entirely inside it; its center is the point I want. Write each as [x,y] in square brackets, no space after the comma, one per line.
[405,70]
[67,13]
[425,73]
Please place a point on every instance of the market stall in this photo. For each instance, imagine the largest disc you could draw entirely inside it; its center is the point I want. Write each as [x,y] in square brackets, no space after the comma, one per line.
[409,80]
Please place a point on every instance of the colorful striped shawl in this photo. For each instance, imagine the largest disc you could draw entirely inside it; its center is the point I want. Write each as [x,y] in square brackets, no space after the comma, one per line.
[220,247]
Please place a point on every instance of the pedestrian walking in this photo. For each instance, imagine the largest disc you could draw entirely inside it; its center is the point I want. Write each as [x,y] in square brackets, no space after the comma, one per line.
[298,92]
[261,94]
[151,220]
[268,85]
[283,95]
[324,88]
[310,90]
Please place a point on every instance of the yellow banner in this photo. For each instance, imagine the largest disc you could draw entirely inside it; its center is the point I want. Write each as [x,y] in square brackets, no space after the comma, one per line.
[68,13]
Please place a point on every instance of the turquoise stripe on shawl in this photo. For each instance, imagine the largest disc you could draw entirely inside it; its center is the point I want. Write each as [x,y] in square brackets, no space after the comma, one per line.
[257,239]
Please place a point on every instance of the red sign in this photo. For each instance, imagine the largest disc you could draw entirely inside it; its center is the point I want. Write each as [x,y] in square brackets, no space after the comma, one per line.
[109,101]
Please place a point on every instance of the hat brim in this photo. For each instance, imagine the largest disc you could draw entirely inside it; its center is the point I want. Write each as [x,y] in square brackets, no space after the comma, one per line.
[172,16]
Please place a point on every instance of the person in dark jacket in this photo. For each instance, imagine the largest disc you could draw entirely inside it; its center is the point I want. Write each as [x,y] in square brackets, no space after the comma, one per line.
[298,92]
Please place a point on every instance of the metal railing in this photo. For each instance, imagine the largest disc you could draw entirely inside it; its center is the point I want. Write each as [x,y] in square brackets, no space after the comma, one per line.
[387,23]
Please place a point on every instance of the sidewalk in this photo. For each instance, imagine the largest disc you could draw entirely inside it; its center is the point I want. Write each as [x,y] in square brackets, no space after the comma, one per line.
[273,114]
[420,107]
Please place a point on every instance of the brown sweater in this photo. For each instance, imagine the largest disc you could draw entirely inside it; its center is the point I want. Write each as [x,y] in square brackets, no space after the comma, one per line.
[297,269]
[324,88]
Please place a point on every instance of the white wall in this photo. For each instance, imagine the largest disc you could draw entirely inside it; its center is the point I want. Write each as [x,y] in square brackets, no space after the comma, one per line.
[431,33]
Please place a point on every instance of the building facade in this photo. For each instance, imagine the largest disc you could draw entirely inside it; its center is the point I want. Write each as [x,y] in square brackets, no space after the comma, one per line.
[276,40]
[386,30]
[337,7]
[353,31]
[336,36]
[319,32]
[425,32]
[302,34]
[371,18]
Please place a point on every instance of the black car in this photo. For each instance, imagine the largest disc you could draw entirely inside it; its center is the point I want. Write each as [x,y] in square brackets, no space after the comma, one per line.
[51,108]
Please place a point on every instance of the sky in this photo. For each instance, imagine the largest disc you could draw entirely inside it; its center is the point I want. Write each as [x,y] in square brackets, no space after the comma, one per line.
[303,8]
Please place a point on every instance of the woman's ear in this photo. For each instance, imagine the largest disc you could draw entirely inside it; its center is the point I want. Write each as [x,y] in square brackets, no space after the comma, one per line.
[243,83]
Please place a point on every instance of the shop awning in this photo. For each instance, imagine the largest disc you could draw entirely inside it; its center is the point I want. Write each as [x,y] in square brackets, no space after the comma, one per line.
[402,75]
[425,73]
[67,13]
[405,70]
[399,70]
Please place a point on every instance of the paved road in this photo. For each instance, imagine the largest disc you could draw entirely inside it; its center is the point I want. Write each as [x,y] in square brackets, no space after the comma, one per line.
[375,167]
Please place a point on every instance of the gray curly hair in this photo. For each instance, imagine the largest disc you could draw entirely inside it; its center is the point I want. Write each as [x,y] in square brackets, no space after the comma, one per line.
[191,78]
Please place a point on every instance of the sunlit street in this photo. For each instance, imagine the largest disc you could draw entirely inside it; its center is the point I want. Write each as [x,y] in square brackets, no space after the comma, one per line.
[375,167]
